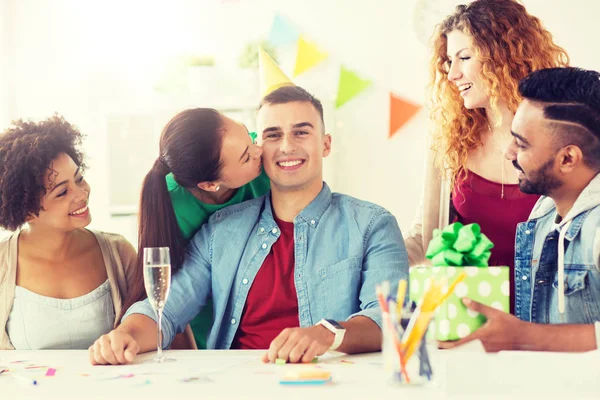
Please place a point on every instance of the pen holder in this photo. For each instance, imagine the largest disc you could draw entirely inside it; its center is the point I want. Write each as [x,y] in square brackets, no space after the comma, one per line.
[412,365]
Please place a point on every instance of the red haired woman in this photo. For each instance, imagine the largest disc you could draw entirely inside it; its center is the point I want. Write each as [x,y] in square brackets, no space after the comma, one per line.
[481,51]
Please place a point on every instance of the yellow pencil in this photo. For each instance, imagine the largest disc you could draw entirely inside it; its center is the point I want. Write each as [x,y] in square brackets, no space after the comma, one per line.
[458,279]
[400,297]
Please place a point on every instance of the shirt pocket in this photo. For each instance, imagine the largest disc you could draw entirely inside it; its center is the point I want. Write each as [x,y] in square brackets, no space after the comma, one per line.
[580,300]
[339,288]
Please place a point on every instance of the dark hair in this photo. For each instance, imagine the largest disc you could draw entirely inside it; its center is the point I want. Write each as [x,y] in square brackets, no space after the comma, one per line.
[289,94]
[570,95]
[190,148]
[27,149]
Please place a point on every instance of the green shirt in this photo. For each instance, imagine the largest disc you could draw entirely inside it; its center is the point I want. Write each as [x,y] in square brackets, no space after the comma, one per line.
[191,214]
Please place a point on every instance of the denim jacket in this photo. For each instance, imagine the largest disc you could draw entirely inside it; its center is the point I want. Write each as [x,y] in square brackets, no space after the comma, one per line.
[557,263]
[343,248]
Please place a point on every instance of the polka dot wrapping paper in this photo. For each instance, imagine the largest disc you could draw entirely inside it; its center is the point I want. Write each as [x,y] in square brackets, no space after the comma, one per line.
[453,321]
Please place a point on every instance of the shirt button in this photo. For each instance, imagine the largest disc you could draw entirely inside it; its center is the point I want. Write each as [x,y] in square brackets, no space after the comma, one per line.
[312,222]
[245,281]
[274,230]
[524,277]
[262,230]
[233,321]
[527,232]
[264,246]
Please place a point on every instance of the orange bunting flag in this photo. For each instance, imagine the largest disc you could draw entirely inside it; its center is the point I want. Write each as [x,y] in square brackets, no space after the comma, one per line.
[400,112]
[308,56]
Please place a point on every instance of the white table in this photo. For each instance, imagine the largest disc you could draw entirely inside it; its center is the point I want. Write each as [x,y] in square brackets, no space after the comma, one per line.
[467,374]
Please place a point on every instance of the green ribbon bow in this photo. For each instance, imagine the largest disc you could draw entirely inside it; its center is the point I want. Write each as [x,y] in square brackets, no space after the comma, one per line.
[459,245]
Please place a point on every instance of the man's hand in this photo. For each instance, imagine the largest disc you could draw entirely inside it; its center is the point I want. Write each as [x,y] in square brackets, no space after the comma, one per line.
[300,344]
[113,348]
[502,331]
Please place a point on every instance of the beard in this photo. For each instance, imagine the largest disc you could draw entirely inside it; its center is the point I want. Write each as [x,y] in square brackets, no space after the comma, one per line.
[540,182]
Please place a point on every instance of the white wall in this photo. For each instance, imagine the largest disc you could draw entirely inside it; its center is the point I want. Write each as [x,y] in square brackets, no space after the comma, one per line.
[89,60]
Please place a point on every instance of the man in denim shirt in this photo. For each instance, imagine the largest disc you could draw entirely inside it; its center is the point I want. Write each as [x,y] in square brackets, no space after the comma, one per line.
[556,151]
[294,271]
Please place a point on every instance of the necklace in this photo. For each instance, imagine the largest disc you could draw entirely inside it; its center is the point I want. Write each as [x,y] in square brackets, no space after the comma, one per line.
[497,146]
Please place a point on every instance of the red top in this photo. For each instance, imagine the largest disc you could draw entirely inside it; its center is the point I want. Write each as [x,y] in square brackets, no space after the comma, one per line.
[478,200]
[272,303]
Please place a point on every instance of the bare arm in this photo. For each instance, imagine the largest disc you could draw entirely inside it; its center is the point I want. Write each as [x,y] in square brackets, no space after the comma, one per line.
[136,334]
[569,338]
[142,329]
[503,331]
[362,336]
[304,344]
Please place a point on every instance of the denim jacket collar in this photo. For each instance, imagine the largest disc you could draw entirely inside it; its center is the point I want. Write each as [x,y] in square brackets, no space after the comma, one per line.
[311,214]
[588,199]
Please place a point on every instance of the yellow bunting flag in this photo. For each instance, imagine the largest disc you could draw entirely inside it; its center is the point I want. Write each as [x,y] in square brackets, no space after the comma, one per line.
[308,56]
[271,76]
[350,85]
[400,112]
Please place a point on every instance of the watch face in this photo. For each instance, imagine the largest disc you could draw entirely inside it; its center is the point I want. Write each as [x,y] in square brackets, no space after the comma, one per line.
[335,324]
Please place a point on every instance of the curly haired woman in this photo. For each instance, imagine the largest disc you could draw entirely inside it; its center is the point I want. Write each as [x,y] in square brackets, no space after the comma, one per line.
[61,285]
[481,52]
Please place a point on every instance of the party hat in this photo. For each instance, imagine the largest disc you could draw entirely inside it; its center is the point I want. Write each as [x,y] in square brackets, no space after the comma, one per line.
[271,76]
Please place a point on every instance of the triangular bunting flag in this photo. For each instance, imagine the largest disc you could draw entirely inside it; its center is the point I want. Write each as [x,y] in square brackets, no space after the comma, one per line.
[400,112]
[308,56]
[350,85]
[283,32]
[271,76]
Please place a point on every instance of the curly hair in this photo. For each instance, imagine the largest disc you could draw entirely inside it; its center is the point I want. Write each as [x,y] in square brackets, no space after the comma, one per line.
[27,149]
[510,43]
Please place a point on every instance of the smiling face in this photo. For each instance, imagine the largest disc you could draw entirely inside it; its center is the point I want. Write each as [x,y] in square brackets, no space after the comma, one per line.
[65,204]
[533,152]
[294,145]
[240,157]
[464,70]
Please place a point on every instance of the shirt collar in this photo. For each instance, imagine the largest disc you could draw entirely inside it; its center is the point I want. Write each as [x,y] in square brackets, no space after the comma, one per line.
[311,214]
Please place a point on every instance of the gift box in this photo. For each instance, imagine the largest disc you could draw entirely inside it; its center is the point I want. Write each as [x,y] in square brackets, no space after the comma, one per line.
[487,285]
[454,250]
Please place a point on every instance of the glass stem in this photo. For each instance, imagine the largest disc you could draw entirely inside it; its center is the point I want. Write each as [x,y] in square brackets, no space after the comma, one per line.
[159,355]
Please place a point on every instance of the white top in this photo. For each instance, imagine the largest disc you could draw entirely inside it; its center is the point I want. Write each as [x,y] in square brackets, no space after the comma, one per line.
[38,322]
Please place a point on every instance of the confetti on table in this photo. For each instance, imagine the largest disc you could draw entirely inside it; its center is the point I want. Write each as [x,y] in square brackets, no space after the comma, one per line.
[347,362]
[51,372]
[280,361]
[36,366]
[197,379]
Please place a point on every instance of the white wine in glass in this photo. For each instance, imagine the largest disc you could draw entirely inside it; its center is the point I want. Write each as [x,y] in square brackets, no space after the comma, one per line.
[157,280]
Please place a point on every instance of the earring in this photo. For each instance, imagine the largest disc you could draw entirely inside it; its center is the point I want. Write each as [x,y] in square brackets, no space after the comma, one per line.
[217,188]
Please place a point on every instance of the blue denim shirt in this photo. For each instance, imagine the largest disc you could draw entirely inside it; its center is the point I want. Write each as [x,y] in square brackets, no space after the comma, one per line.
[343,248]
[537,263]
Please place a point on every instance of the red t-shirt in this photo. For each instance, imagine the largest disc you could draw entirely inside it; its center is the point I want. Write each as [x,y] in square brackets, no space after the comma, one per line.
[272,302]
[479,200]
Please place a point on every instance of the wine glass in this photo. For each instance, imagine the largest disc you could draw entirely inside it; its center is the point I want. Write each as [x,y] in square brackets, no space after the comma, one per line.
[157,280]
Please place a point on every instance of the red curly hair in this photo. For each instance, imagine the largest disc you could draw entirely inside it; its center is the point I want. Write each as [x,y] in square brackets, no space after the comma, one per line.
[510,43]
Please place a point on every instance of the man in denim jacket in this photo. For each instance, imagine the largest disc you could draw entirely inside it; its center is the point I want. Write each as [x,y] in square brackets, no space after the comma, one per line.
[294,271]
[556,151]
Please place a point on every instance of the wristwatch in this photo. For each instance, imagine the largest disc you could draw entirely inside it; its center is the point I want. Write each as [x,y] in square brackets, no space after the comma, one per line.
[338,330]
